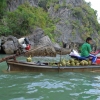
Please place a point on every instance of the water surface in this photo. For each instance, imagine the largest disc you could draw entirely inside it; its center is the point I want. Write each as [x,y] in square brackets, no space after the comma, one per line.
[48,86]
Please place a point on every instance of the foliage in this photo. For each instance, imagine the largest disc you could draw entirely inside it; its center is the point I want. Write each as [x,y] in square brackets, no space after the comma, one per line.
[56,7]
[86,20]
[45,4]
[3,5]
[77,12]
[4,30]
[69,6]
[64,3]
[73,32]
[67,22]
[25,18]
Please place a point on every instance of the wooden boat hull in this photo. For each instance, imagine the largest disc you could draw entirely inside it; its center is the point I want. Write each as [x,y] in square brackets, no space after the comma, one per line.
[18,66]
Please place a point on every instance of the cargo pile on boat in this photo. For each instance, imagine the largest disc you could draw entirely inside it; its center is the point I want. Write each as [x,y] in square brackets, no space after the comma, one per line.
[72,62]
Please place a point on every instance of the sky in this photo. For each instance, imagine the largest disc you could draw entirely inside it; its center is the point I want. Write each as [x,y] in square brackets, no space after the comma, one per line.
[95,4]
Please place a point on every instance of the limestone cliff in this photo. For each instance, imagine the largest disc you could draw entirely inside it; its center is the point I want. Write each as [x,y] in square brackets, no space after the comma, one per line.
[13,4]
[74,19]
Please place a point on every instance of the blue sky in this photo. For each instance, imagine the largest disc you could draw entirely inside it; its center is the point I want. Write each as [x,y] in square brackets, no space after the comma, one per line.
[95,4]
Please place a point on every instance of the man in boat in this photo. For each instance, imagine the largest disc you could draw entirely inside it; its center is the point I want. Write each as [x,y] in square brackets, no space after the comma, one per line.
[86,50]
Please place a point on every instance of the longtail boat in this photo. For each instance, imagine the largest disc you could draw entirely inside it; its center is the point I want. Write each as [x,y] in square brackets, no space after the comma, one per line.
[14,65]
[45,67]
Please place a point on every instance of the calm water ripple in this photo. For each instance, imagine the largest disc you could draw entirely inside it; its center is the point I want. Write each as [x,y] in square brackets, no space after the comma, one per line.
[49,86]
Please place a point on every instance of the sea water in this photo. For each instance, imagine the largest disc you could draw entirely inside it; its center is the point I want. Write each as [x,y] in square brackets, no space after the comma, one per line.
[48,86]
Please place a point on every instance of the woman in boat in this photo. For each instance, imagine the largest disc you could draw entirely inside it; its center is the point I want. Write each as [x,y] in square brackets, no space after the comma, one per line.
[86,50]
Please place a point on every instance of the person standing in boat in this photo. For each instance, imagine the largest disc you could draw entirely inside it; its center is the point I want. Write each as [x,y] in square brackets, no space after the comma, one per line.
[86,50]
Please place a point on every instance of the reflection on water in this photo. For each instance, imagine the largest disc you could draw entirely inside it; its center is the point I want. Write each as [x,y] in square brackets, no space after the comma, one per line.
[48,86]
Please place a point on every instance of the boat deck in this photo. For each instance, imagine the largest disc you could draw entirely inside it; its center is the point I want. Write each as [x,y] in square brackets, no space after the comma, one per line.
[31,66]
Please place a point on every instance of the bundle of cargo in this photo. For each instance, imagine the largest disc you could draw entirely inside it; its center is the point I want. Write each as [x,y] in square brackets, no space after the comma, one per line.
[72,62]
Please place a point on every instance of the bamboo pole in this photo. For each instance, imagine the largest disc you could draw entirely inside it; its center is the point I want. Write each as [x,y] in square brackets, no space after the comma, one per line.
[60,61]
[8,57]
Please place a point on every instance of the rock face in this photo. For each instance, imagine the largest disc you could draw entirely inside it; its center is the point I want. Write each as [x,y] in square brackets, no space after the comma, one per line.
[67,24]
[45,47]
[42,51]
[64,14]
[42,46]
[35,36]
[9,44]
[45,41]
[66,27]
[15,41]
[9,47]
[13,4]
[56,46]
[63,51]
[3,39]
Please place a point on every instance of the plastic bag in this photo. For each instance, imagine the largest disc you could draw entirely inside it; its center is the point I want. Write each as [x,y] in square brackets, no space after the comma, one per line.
[74,53]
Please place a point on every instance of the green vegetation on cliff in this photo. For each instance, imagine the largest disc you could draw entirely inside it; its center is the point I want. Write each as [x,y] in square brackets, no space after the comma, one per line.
[3,5]
[25,19]
[86,20]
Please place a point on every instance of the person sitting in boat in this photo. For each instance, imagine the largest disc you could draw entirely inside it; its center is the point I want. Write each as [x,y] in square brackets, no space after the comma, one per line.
[28,45]
[86,50]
